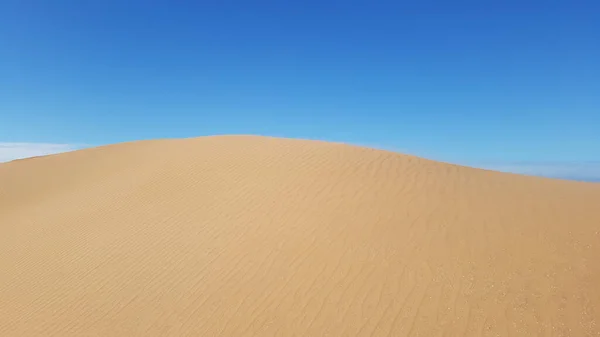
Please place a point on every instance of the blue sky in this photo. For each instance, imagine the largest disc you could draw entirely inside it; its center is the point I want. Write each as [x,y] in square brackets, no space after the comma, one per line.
[512,85]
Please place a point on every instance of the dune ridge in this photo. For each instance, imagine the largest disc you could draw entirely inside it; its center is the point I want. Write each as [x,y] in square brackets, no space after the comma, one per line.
[260,236]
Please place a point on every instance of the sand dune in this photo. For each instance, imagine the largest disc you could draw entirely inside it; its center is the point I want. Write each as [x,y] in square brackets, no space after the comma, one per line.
[257,236]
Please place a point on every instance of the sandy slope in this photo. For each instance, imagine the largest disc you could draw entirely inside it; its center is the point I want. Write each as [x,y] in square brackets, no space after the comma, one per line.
[254,236]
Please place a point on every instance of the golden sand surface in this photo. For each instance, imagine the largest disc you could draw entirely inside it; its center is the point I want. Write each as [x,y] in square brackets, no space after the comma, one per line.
[259,236]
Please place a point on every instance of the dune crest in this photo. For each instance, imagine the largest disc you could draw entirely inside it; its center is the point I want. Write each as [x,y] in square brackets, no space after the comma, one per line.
[259,236]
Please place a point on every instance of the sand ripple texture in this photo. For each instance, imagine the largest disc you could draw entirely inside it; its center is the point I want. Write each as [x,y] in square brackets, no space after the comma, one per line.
[257,236]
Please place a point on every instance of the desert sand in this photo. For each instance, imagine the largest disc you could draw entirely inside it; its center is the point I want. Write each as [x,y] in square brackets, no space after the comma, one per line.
[258,236]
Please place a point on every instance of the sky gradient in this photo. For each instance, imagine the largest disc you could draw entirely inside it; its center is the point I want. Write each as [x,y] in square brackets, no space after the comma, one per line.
[509,84]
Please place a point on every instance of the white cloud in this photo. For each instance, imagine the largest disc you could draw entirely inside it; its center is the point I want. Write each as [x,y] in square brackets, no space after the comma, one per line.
[12,151]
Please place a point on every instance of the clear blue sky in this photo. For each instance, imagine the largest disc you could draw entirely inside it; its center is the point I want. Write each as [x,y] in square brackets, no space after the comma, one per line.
[503,82]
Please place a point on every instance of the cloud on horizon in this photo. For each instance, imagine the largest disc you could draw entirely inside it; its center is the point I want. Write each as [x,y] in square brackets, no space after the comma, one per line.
[12,151]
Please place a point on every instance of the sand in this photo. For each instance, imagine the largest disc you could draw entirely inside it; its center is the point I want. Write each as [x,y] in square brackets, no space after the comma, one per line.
[257,236]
